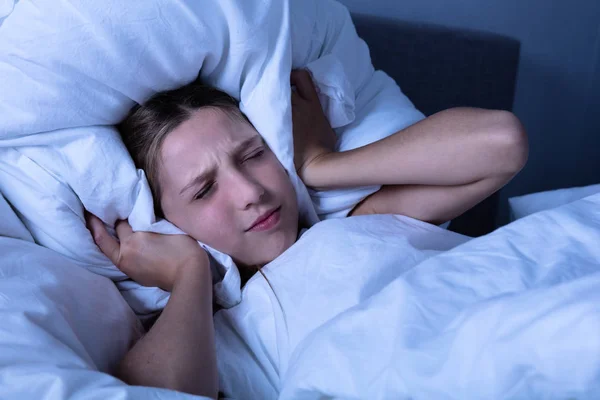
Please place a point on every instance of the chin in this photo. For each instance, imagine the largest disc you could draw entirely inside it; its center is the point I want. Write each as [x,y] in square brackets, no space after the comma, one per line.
[276,248]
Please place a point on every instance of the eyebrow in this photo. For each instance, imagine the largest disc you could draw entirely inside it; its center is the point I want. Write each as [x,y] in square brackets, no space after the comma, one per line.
[238,149]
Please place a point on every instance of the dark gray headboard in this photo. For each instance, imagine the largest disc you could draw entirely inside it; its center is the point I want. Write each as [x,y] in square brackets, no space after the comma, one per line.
[440,68]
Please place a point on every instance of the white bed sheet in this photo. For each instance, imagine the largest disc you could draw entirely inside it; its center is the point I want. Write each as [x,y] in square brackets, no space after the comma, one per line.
[380,307]
[374,307]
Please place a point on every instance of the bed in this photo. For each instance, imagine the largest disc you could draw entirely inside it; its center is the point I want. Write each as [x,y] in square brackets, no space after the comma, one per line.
[439,315]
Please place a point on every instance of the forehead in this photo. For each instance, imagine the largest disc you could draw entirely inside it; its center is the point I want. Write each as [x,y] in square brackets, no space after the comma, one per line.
[199,144]
[207,131]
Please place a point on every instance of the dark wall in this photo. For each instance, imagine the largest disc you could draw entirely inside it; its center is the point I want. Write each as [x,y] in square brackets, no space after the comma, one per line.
[558,86]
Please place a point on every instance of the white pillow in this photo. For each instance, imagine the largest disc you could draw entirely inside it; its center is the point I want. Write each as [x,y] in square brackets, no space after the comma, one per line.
[522,206]
[79,66]
[60,323]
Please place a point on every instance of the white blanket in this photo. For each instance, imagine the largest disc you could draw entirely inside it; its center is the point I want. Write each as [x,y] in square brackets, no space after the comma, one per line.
[70,69]
[63,329]
[374,308]
[380,307]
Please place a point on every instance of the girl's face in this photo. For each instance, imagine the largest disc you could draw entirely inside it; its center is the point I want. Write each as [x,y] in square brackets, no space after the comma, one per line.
[223,186]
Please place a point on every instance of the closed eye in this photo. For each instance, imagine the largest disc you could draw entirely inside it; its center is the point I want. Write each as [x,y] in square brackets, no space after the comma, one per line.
[205,191]
[255,155]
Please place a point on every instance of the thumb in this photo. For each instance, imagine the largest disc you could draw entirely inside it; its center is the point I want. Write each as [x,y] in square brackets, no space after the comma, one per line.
[304,84]
[107,244]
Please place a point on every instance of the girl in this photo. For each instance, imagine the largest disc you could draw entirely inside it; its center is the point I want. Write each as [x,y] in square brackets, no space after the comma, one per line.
[214,177]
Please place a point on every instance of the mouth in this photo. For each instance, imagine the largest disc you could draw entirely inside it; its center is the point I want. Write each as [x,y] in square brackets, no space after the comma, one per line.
[266,221]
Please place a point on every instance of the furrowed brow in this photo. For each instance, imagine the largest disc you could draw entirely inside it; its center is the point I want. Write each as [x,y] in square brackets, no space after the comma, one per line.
[249,142]
[197,180]
[238,149]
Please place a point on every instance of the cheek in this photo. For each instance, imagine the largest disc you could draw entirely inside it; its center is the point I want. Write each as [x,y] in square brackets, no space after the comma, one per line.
[277,181]
[214,225]
[210,223]
[274,176]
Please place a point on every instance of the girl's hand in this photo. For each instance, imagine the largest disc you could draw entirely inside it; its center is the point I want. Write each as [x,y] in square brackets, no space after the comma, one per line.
[313,136]
[148,258]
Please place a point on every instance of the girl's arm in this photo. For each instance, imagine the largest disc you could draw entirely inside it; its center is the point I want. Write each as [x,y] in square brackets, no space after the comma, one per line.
[453,147]
[433,170]
[179,350]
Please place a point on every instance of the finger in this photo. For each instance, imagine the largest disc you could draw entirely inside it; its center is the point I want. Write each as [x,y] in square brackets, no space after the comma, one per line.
[304,84]
[295,99]
[293,75]
[123,230]
[296,75]
[107,244]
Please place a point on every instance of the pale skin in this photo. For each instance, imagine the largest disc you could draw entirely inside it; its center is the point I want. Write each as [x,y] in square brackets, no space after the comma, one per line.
[179,351]
[432,171]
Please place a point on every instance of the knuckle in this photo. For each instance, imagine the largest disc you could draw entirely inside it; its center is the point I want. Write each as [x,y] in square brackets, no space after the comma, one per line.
[98,238]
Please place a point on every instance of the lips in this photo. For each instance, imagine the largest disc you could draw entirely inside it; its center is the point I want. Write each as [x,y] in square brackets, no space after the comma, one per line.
[265,217]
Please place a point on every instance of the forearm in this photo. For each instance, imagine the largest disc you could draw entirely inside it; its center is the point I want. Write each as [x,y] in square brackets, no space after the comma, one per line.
[179,351]
[429,203]
[453,147]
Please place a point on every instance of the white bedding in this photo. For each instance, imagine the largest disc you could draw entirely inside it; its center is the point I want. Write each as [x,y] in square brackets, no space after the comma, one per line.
[70,69]
[63,328]
[370,307]
[374,307]
[521,206]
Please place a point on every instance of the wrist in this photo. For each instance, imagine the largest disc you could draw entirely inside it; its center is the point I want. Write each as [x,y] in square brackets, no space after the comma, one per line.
[314,173]
[194,272]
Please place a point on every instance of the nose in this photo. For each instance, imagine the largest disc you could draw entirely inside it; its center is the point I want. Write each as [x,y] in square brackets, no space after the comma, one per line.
[246,190]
